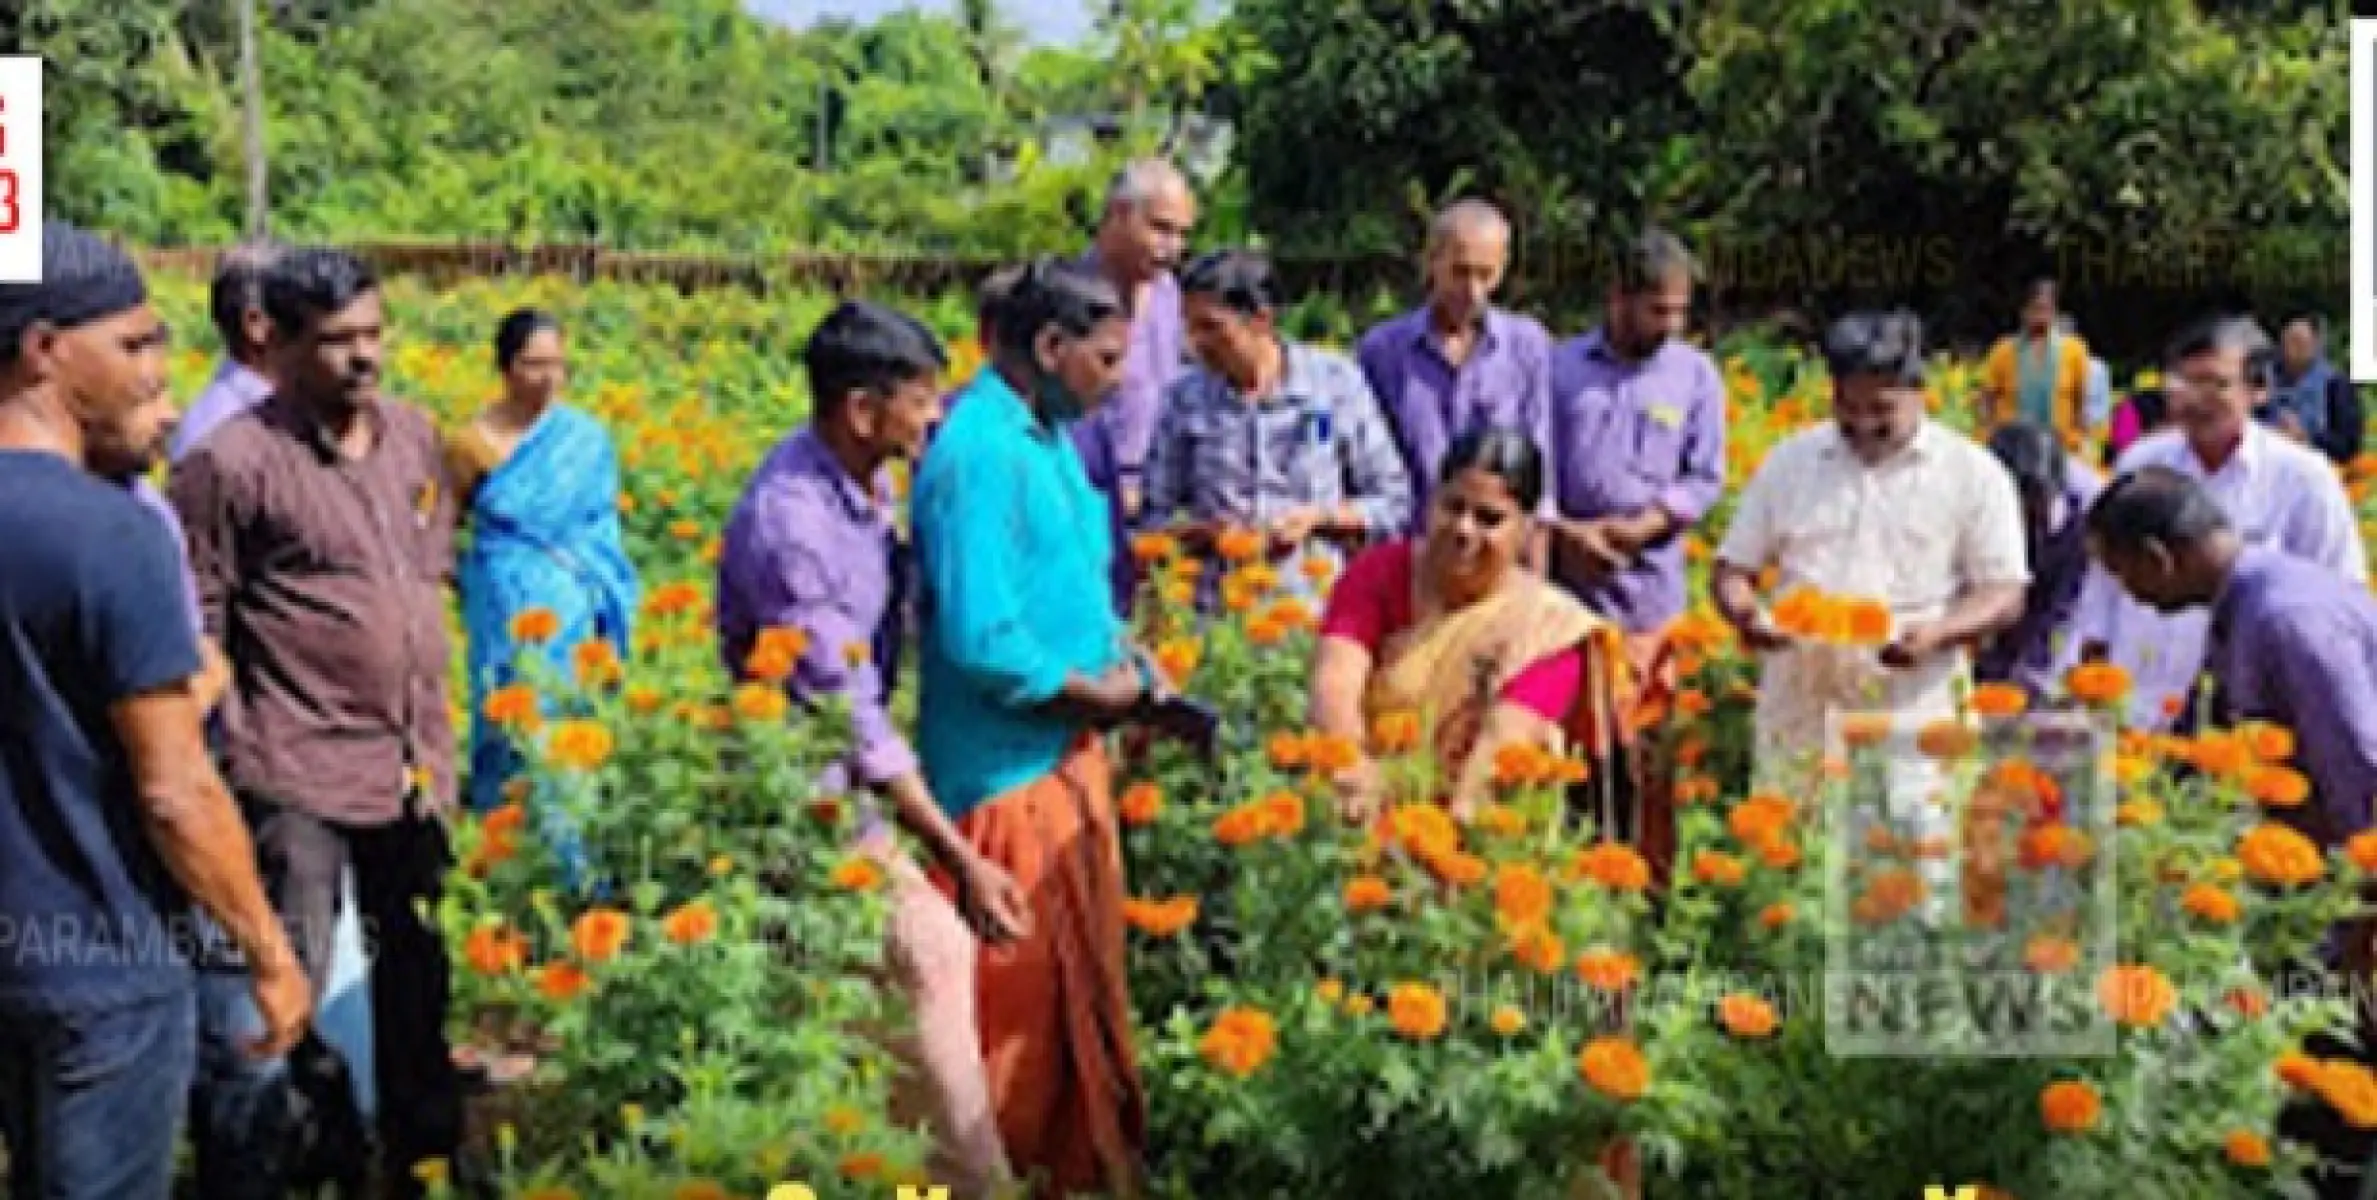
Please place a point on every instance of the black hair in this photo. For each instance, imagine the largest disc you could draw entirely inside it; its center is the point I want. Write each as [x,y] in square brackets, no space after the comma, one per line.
[1876,343]
[237,288]
[512,333]
[304,285]
[1049,291]
[2209,335]
[2261,367]
[2033,456]
[2308,317]
[2042,285]
[861,346]
[1241,280]
[1649,257]
[2154,505]
[1506,454]
[993,292]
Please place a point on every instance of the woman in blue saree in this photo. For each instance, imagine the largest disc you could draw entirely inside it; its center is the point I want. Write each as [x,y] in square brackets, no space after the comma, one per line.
[538,483]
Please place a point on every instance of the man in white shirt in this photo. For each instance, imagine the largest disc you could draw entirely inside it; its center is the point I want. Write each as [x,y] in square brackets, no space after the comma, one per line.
[2278,492]
[1882,503]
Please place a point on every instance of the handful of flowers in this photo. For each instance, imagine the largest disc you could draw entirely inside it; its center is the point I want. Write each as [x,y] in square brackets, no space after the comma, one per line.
[1810,615]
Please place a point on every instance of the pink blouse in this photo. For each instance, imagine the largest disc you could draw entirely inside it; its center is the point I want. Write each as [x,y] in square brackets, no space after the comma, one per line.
[1373,601]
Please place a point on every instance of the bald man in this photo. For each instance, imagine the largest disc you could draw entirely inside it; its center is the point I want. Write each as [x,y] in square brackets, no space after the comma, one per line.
[1141,237]
[1459,363]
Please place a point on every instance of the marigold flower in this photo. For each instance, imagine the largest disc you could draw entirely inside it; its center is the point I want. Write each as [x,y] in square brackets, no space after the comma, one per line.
[2211,902]
[856,873]
[2246,1148]
[673,599]
[2279,856]
[1746,1016]
[775,654]
[1759,819]
[2136,995]
[535,625]
[1781,854]
[1522,896]
[1501,820]
[506,819]
[1141,804]
[2278,787]
[1608,970]
[1160,918]
[495,950]
[1458,868]
[1417,1011]
[1776,915]
[2266,741]
[1395,732]
[2297,1070]
[599,934]
[2250,1003]
[1519,764]
[2221,754]
[1507,1021]
[1999,700]
[1889,895]
[561,982]
[1265,631]
[2138,814]
[1537,948]
[2350,1089]
[1613,865]
[691,924]
[760,703]
[2070,1106]
[596,662]
[513,706]
[1615,1067]
[580,745]
[1947,739]
[1178,657]
[1866,729]
[1240,826]
[1330,755]
[2098,683]
[1283,814]
[1152,548]
[1288,751]
[1718,868]
[860,1166]
[1239,545]
[1367,893]
[1239,1041]
[2361,850]
[2055,845]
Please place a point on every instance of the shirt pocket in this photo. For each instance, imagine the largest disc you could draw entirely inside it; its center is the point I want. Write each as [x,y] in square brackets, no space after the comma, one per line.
[1654,430]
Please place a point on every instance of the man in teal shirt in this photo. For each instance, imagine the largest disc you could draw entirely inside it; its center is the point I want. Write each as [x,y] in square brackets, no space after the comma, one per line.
[1024,665]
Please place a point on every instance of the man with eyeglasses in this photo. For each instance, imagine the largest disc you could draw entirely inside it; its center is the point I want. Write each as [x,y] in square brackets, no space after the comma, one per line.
[2278,492]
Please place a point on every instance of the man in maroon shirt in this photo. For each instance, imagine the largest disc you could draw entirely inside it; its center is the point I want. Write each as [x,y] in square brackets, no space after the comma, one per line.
[321,537]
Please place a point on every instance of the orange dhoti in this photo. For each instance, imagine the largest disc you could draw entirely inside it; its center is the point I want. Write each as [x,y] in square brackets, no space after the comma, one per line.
[1053,1006]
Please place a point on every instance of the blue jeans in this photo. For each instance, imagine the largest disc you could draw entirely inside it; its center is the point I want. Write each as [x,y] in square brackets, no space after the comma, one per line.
[91,1103]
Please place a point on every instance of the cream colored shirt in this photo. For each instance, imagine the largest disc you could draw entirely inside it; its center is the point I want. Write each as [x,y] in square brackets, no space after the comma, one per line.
[1933,522]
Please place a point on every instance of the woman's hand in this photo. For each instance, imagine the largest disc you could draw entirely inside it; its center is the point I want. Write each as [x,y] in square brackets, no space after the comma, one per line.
[1361,792]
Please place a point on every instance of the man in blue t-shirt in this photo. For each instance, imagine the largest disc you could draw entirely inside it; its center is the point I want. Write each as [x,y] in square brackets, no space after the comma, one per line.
[111,815]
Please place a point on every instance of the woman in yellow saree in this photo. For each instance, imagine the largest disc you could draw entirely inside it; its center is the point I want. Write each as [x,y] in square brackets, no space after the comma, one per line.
[1450,629]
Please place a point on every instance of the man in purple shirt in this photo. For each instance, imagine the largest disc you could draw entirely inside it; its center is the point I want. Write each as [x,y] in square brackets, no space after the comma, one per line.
[236,302]
[1141,237]
[2292,643]
[812,547]
[1458,362]
[1638,458]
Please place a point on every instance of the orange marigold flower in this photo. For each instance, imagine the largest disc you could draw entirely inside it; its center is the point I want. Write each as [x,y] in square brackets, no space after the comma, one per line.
[1776,915]
[1719,868]
[1947,739]
[1891,894]
[1288,751]
[1178,657]
[562,982]
[2279,856]
[2222,754]
[580,745]
[1613,865]
[1759,819]
[2246,1148]
[2100,683]
[1608,970]
[1507,1021]
[1501,820]
[513,706]
[1615,1067]
[1522,896]
[495,949]
[1537,948]
[1459,868]
[2278,787]
[1283,814]
[2297,1070]
[2211,902]
[1692,703]
[2268,742]
[2136,995]
[860,1166]
[2053,845]
[599,934]
[1160,918]
[644,699]
[1866,729]
[505,820]
[856,873]
[842,1120]
[1240,826]
[1239,545]
[691,924]
[1746,1016]
[532,626]
[1264,631]
[2361,850]
[775,654]
[1141,804]
[2250,1003]
[674,599]
[1395,732]
[1329,754]
[596,662]
[1239,1041]
[1151,548]
[2138,814]
[1424,829]
[2070,1106]
[1864,621]
[2350,1089]
[1518,764]
[1417,1011]
[1999,700]
[1782,854]
[1367,893]
[760,703]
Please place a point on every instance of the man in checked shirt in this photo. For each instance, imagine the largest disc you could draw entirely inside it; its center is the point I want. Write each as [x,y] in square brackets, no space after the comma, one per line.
[1268,435]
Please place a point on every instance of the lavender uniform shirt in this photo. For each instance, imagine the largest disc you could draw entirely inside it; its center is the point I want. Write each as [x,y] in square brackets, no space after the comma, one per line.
[1430,403]
[1626,436]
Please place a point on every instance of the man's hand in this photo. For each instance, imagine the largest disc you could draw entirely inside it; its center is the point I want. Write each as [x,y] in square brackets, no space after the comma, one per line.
[1290,530]
[1914,644]
[991,901]
[1591,547]
[214,677]
[284,1002]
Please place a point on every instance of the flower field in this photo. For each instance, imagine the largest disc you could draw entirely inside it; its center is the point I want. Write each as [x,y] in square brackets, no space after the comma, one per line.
[1404,1009]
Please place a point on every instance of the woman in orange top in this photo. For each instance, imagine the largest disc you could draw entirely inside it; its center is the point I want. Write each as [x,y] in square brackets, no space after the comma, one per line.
[2040,374]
